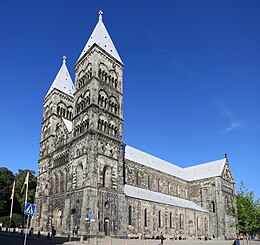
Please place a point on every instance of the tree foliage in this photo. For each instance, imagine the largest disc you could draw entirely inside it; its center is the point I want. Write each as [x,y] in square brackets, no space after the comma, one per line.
[6,183]
[17,220]
[247,211]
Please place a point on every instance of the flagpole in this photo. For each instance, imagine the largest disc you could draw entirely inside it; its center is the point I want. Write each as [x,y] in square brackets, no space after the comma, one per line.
[11,212]
[26,192]
[26,231]
[12,203]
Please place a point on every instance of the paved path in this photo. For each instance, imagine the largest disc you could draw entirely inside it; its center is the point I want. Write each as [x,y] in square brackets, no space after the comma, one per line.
[108,241]
[9,238]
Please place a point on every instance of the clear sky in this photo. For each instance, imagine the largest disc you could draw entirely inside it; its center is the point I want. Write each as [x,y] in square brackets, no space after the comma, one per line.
[191,78]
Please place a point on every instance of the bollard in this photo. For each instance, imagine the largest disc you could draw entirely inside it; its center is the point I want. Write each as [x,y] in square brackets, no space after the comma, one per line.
[81,238]
[21,231]
[126,242]
[13,230]
[95,240]
[39,234]
[144,242]
[49,235]
[69,238]
[110,241]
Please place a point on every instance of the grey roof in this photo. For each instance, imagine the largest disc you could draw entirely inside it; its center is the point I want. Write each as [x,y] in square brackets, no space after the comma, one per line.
[201,171]
[63,81]
[68,124]
[158,197]
[101,37]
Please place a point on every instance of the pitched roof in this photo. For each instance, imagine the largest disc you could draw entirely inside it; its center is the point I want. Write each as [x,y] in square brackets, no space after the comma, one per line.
[153,162]
[201,171]
[101,37]
[63,81]
[205,170]
[158,197]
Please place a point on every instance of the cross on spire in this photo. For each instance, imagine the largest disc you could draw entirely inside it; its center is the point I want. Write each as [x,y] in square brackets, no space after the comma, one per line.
[64,59]
[100,15]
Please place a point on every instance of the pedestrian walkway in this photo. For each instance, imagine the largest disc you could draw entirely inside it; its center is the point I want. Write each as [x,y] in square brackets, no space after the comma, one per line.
[114,241]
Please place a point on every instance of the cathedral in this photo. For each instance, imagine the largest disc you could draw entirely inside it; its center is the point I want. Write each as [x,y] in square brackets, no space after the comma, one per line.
[90,180]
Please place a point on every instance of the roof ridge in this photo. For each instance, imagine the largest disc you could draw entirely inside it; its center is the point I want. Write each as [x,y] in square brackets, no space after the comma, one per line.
[205,163]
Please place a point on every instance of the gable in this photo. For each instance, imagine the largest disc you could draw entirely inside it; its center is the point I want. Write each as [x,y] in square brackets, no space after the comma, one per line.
[226,173]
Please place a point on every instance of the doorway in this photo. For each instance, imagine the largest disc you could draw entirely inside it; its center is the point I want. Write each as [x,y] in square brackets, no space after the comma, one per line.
[56,221]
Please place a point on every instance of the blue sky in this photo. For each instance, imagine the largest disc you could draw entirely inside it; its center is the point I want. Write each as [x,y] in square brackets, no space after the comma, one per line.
[191,78]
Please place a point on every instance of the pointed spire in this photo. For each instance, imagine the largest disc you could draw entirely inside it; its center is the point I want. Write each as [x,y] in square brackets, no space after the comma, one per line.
[63,80]
[101,37]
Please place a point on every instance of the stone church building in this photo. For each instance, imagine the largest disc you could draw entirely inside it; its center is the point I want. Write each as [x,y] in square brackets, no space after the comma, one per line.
[90,179]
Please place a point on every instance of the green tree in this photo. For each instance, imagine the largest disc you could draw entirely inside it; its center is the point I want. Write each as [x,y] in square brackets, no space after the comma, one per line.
[6,182]
[17,220]
[247,212]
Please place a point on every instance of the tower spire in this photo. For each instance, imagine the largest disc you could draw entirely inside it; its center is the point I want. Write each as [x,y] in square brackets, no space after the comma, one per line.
[100,36]
[63,81]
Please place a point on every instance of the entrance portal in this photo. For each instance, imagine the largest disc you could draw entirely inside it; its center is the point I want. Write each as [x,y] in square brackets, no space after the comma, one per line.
[56,221]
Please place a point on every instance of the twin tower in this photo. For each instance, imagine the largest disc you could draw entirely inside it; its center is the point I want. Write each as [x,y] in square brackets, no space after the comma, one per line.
[80,176]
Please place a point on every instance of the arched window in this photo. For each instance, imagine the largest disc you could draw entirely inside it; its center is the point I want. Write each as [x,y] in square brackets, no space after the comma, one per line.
[159,219]
[59,180]
[198,223]
[226,203]
[54,184]
[186,192]
[158,184]
[130,215]
[170,220]
[169,187]
[137,178]
[145,217]
[102,99]
[206,224]
[79,175]
[113,105]
[107,176]
[213,207]
[149,182]
[178,190]
[64,180]
[61,109]
[181,222]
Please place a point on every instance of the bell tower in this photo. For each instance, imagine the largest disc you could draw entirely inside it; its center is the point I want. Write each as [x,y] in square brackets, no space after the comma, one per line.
[55,135]
[98,133]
